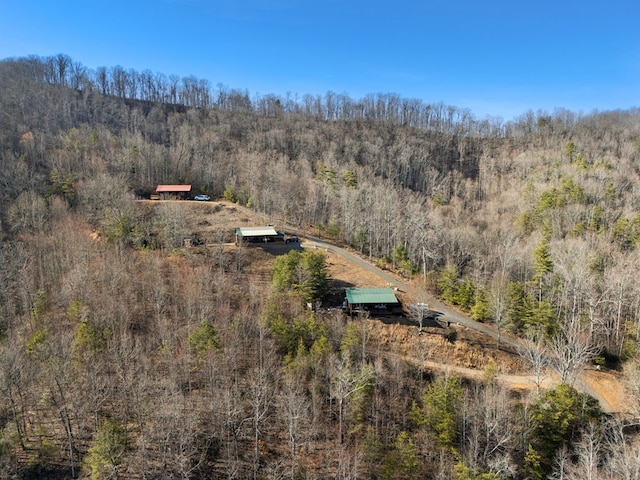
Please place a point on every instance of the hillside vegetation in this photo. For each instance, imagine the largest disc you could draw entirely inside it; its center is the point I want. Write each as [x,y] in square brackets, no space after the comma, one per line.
[126,355]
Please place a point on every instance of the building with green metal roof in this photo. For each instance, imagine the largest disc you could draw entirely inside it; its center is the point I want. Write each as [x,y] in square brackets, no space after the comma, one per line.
[376,301]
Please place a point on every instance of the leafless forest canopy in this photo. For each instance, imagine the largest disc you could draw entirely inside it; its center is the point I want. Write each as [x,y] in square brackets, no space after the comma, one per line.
[123,356]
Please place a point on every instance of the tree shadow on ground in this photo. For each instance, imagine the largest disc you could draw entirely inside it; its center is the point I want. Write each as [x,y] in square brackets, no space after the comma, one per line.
[336,296]
[278,248]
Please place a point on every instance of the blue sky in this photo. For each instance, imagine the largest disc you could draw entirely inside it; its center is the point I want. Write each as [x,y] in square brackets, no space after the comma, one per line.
[496,58]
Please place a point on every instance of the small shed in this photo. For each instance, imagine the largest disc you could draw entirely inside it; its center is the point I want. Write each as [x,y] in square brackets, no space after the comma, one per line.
[376,301]
[258,235]
[173,192]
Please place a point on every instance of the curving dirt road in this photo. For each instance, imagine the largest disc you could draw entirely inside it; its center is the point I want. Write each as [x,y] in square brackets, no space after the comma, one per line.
[600,385]
[446,313]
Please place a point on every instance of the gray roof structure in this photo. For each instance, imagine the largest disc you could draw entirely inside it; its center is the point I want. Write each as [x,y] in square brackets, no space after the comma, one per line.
[245,232]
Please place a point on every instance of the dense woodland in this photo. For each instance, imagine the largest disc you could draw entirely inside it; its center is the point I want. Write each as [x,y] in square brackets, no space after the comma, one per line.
[208,371]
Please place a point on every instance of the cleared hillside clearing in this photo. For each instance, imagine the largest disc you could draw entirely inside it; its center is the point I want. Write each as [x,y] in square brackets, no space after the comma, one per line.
[466,352]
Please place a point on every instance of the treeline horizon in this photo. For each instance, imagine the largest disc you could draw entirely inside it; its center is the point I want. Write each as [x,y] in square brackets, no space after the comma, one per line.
[189,91]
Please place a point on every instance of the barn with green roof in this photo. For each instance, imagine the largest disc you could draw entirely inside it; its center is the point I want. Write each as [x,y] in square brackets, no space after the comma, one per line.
[375,301]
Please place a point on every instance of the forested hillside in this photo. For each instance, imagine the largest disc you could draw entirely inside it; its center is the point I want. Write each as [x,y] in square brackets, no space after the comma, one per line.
[126,356]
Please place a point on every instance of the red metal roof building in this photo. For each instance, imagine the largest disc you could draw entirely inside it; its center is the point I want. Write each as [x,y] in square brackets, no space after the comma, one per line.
[173,192]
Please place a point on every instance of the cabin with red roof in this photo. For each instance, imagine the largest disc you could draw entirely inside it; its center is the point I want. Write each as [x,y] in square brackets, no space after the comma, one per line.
[173,192]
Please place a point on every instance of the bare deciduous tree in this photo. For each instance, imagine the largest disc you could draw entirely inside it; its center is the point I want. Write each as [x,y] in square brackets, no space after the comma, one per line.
[294,405]
[571,349]
[348,380]
[534,351]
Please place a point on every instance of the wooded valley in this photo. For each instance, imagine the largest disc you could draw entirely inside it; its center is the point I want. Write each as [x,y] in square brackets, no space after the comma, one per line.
[125,355]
